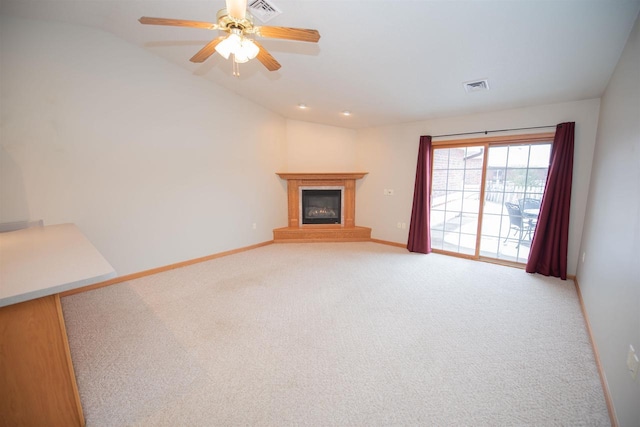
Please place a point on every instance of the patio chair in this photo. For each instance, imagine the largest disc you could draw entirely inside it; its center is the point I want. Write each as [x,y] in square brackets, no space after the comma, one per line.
[516,223]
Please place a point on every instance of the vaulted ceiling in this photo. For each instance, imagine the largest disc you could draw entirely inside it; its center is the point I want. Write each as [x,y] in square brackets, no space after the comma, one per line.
[386,61]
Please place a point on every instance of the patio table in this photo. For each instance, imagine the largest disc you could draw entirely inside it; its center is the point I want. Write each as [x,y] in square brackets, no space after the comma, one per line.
[531,213]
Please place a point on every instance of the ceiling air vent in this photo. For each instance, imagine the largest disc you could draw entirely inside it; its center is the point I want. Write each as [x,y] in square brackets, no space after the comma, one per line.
[263,10]
[476,85]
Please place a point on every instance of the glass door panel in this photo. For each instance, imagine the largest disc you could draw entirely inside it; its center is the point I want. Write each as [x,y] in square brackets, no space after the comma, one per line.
[455,198]
[516,176]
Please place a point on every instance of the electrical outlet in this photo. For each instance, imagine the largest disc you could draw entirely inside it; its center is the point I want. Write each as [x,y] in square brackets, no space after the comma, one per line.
[390,192]
[399,225]
[404,225]
[632,362]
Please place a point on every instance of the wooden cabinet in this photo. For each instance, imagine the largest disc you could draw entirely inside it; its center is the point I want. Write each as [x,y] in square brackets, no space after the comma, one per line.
[37,381]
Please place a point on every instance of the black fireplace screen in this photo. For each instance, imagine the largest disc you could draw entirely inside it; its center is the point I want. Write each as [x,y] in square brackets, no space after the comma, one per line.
[321,206]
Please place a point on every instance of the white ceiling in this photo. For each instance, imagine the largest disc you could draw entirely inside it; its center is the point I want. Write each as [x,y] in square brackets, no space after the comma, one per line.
[387,61]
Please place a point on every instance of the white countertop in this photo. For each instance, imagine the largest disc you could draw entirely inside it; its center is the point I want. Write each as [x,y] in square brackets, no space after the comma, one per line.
[41,261]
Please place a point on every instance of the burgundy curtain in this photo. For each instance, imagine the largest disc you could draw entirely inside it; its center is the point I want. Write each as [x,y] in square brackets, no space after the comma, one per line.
[548,255]
[419,229]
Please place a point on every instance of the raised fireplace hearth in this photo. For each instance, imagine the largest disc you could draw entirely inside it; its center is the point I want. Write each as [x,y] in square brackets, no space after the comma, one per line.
[321,207]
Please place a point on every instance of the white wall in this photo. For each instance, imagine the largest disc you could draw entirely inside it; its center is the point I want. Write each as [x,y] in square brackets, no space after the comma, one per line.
[610,276]
[155,165]
[318,148]
[390,153]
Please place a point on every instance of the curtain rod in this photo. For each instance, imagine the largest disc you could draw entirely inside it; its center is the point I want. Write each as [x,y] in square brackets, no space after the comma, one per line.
[492,131]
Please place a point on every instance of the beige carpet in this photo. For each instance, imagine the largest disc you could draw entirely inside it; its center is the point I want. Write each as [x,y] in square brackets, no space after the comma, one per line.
[348,334]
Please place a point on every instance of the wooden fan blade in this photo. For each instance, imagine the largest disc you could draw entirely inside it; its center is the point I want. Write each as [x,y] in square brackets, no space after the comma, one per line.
[267,60]
[237,9]
[299,34]
[206,51]
[178,23]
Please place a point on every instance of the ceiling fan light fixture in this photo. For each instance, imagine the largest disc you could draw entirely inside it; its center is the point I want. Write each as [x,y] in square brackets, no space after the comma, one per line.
[248,50]
[242,48]
[228,46]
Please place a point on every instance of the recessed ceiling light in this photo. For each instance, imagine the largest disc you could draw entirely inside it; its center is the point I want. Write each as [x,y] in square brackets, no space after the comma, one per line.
[346,113]
[302,106]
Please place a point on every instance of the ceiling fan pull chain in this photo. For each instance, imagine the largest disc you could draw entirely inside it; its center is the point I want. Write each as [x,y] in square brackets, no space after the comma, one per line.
[236,66]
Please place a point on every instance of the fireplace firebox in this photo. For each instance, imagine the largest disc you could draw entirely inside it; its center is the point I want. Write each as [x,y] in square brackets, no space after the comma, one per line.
[321,206]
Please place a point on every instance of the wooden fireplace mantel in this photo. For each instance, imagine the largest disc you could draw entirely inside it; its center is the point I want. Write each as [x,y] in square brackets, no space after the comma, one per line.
[322,175]
[298,232]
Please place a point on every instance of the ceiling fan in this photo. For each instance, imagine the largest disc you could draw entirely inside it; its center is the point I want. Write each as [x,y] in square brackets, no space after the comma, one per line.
[238,23]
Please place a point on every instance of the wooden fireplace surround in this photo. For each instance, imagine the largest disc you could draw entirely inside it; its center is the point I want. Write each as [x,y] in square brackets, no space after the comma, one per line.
[347,231]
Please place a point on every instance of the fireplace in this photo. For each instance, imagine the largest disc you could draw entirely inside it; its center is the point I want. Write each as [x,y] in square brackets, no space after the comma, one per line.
[321,205]
[321,208]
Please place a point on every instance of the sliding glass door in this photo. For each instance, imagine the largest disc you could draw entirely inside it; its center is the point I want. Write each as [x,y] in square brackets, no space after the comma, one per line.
[485,197]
